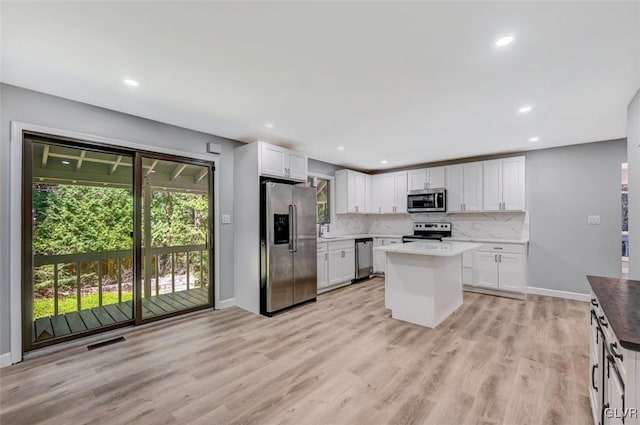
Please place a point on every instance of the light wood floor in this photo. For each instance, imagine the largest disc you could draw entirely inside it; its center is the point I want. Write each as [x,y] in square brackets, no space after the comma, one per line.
[342,360]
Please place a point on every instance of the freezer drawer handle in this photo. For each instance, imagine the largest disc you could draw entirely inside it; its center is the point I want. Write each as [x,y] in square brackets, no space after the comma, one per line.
[613,346]
[593,378]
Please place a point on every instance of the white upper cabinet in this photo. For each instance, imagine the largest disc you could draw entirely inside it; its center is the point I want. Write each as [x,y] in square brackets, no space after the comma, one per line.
[472,200]
[352,192]
[426,178]
[464,187]
[504,188]
[513,188]
[400,180]
[276,161]
[382,193]
[389,193]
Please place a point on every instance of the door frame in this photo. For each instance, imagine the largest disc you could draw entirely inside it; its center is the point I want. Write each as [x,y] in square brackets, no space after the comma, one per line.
[15,254]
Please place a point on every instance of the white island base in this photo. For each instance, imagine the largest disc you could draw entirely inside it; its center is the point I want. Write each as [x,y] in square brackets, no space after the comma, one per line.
[423,281]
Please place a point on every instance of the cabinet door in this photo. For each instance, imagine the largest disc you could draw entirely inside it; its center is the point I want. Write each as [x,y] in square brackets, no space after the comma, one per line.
[351,192]
[614,394]
[377,256]
[400,192]
[368,206]
[348,264]
[492,185]
[513,189]
[454,186]
[511,272]
[472,186]
[336,267]
[323,278]
[360,191]
[417,179]
[273,160]
[383,193]
[436,178]
[297,166]
[485,269]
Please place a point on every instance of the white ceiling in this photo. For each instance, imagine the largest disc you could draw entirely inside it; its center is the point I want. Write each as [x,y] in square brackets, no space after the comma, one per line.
[406,82]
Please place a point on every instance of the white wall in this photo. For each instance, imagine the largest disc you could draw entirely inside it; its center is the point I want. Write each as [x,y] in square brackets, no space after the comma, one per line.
[17,104]
[633,158]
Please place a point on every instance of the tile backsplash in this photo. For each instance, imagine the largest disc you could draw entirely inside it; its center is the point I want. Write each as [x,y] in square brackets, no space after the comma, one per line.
[499,225]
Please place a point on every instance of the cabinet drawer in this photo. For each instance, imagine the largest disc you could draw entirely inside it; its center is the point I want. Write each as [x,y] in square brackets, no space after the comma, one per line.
[503,247]
[332,246]
[391,241]
[322,247]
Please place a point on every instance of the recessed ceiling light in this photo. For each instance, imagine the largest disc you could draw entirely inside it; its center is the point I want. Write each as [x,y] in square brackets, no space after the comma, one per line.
[340,148]
[524,109]
[269,125]
[534,139]
[504,41]
[384,161]
[65,162]
[132,83]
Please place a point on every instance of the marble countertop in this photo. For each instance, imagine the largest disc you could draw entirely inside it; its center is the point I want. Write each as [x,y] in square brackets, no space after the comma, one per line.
[436,249]
[349,237]
[487,240]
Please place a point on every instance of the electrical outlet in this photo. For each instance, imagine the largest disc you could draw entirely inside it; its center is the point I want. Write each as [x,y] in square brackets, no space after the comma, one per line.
[226,219]
[593,219]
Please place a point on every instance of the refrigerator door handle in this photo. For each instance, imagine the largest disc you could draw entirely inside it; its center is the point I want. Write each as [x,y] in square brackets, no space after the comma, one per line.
[291,221]
[295,228]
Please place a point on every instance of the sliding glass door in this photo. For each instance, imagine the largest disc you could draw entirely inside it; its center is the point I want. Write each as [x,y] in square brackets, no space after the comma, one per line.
[176,242]
[111,237]
[78,216]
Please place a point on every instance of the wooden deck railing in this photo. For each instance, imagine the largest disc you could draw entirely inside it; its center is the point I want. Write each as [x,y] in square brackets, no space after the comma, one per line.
[119,256]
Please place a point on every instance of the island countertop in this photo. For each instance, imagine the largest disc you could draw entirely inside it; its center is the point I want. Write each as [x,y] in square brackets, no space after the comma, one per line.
[436,249]
[620,302]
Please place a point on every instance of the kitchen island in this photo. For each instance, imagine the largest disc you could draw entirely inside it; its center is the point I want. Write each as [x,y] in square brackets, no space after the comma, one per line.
[423,280]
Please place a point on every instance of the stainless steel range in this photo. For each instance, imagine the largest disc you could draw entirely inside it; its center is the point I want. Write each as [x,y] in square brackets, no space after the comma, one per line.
[428,231]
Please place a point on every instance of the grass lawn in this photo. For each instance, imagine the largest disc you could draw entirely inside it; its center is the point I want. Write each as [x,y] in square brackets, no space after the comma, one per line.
[43,307]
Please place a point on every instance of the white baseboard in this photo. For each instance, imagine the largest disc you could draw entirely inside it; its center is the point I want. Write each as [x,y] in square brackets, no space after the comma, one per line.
[5,360]
[229,302]
[559,294]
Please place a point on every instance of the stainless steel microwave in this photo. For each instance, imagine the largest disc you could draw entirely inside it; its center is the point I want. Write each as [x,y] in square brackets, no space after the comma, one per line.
[427,200]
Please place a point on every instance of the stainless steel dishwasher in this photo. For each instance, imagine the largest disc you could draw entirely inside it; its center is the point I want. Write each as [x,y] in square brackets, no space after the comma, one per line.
[364,258]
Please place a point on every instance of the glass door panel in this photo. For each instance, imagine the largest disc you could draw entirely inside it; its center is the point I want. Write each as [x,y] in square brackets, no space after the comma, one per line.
[175,238]
[80,276]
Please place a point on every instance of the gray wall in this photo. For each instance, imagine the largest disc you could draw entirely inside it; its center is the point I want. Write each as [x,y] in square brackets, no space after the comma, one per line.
[633,153]
[319,167]
[564,186]
[18,104]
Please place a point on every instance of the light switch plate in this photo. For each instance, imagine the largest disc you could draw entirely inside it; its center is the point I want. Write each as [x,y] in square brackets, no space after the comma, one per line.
[593,219]
[226,219]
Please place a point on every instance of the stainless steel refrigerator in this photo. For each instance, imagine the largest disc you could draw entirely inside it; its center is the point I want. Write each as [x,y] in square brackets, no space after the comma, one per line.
[288,246]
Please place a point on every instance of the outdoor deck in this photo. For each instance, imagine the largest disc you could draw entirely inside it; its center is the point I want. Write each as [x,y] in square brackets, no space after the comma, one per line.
[64,324]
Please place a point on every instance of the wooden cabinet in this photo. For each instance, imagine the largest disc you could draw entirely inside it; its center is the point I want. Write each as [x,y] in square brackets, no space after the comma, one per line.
[389,193]
[276,161]
[353,192]
[486,269]
[426,178]
[504,184]
[464,187]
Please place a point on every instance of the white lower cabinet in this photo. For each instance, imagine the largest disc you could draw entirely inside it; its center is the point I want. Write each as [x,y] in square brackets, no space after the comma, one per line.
[614,374]
[499,267]
[379,257]
[323,263]
[336,263]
